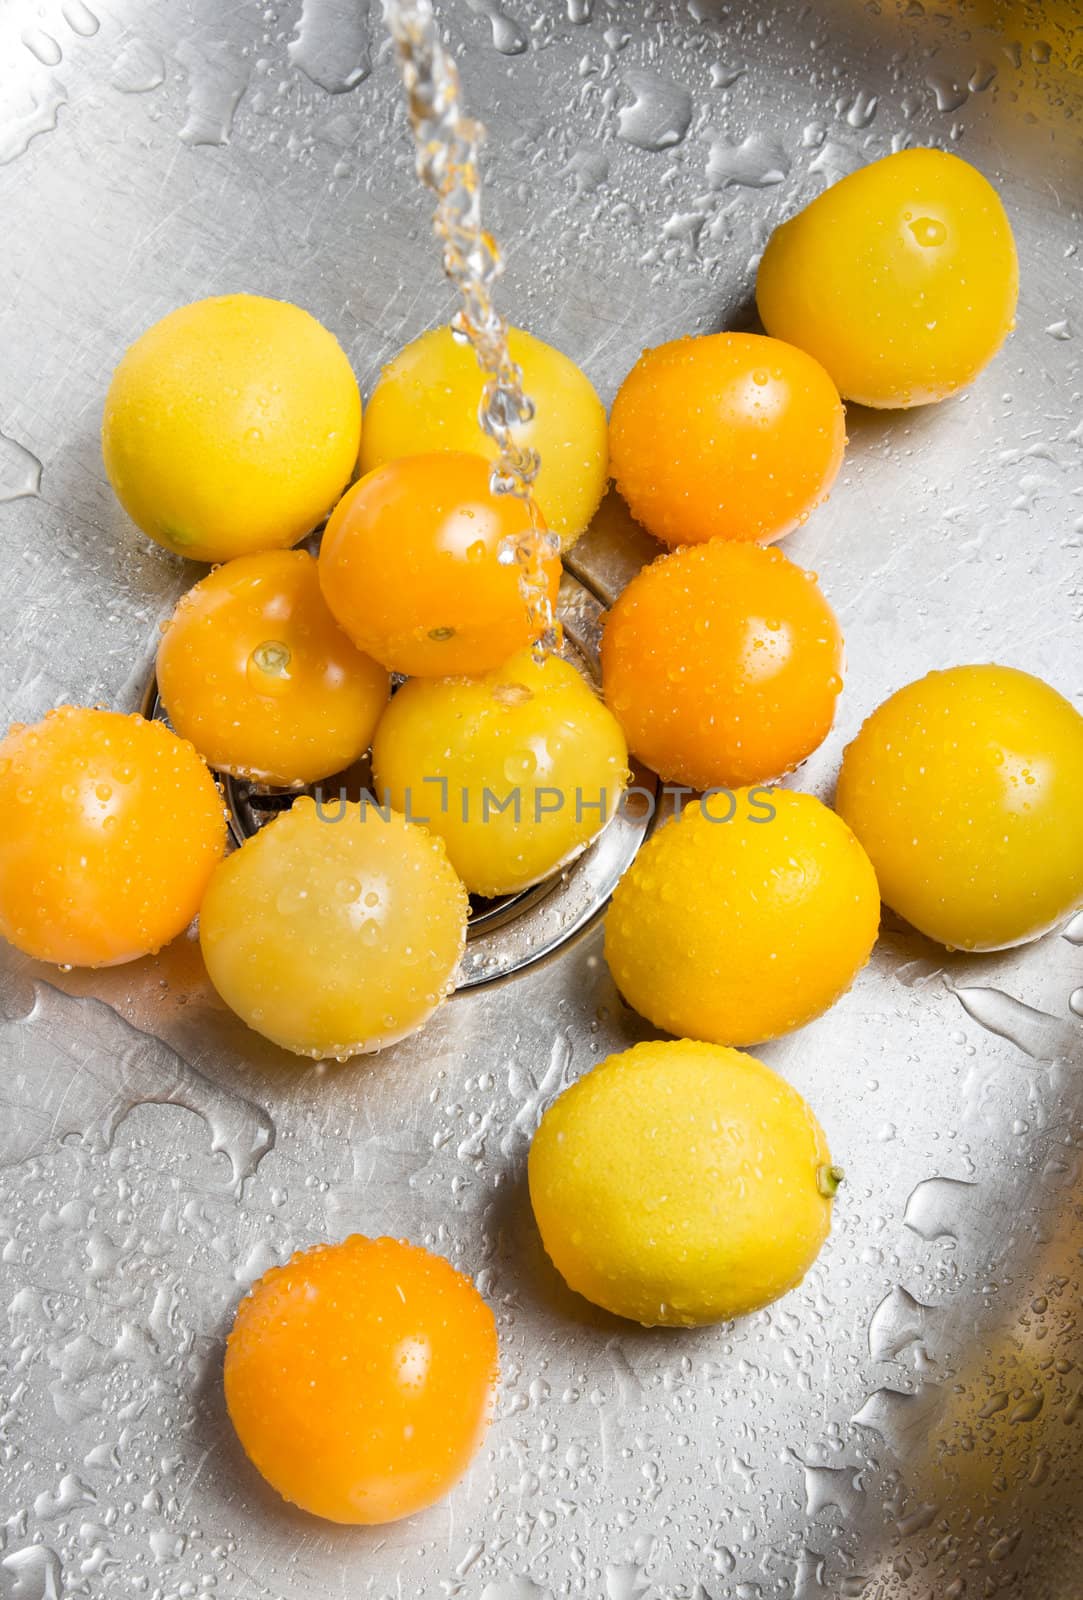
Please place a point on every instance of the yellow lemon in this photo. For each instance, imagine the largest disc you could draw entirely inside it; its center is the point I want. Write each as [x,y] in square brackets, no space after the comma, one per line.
[745,918]
[232,425]
[681,1183]
[428,398]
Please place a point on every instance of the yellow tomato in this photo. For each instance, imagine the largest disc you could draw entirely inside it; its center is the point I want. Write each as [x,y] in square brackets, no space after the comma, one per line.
[966,789]
[254,670]
[231,425]
[516,771]
[334,930]
[428,397]
[901,279]
[744,919]
[681,1183]
[112,828]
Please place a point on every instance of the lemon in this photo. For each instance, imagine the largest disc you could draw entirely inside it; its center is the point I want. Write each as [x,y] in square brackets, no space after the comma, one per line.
[428,398]
[230,426]
[681,1183]
[743,929]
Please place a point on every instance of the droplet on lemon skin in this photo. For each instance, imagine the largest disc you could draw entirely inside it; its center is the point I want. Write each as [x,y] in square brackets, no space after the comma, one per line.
[232,425]
[360,1378]
[739,931]
[112,828]
[966,789]
[681,1183]
[902,279]
[473,755]
[427,398]
[322,970]
[723,663]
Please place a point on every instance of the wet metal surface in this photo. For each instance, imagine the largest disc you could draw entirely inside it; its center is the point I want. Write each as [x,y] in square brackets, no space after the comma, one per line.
[908,1422]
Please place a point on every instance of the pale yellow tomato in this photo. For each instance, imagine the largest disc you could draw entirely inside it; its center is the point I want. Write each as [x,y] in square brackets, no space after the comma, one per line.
[428,397]
[334,930]
[516,771]
[901,279]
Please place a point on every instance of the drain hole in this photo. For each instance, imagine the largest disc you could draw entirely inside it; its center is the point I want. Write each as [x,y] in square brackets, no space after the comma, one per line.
[510,932]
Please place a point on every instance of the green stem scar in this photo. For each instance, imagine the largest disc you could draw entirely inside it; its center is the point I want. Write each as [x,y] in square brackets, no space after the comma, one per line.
[828,1180]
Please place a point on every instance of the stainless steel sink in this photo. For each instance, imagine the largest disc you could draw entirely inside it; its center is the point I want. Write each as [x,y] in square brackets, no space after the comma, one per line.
[907,1424]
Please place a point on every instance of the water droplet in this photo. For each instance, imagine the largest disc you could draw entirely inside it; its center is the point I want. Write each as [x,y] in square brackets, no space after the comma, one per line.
[16,134]
[898,1320]
[20,470]
[1060,330]
[932,1211]
[43,46]
[949,93]
[659,115]
[1038,1034]
[333,44]
[756,163]
[928,231]
[138,68]
[508,37]
[80,19]
[216,81]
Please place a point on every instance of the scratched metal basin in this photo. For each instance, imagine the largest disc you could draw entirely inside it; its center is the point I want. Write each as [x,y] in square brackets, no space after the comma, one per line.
[906,1424]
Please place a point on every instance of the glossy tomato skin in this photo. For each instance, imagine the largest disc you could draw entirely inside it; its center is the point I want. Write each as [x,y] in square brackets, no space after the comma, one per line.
[516,771]
[232,425]
[902,279]
[725,436]
[112,828]
[964,788]
[427,398]
[722,663]
[410,565]
[256,672]
[360,1378]
[334,930]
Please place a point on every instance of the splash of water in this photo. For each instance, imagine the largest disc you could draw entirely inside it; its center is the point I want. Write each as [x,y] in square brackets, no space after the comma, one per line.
[447,143]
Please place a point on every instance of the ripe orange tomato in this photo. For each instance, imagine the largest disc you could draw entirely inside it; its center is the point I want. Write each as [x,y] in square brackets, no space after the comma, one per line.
[725,436]
[360,1378]
[255,671]
[112,828]
[722,663]
[411,565]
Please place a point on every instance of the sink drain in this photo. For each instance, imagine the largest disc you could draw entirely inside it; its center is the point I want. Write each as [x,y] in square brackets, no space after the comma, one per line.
[506,934]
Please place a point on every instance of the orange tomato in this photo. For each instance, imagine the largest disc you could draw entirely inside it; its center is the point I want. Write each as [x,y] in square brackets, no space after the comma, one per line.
[728,436]
[722,663]
[255,671]
[112,828]
[360,1378]
[411,565]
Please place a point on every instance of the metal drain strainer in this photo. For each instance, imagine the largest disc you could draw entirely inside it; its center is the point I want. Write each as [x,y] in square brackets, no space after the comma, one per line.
[514,931]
